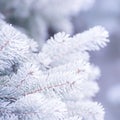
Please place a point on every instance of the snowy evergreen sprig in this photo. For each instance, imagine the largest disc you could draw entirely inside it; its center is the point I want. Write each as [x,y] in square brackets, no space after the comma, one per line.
[14,48]
[57,83]
[62,45]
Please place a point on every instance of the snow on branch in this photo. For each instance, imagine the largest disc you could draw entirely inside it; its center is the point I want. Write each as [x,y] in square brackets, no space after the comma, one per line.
[87,110]
[62,45]
[94,39]
[35,106]
[15,48]
[57,83]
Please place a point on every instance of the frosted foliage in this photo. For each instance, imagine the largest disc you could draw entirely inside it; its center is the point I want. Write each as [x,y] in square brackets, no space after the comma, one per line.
[37,16]
[57,83]
[94,40]
[14,48]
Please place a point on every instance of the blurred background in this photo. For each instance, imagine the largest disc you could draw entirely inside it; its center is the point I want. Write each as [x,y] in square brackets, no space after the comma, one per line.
[45,17]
